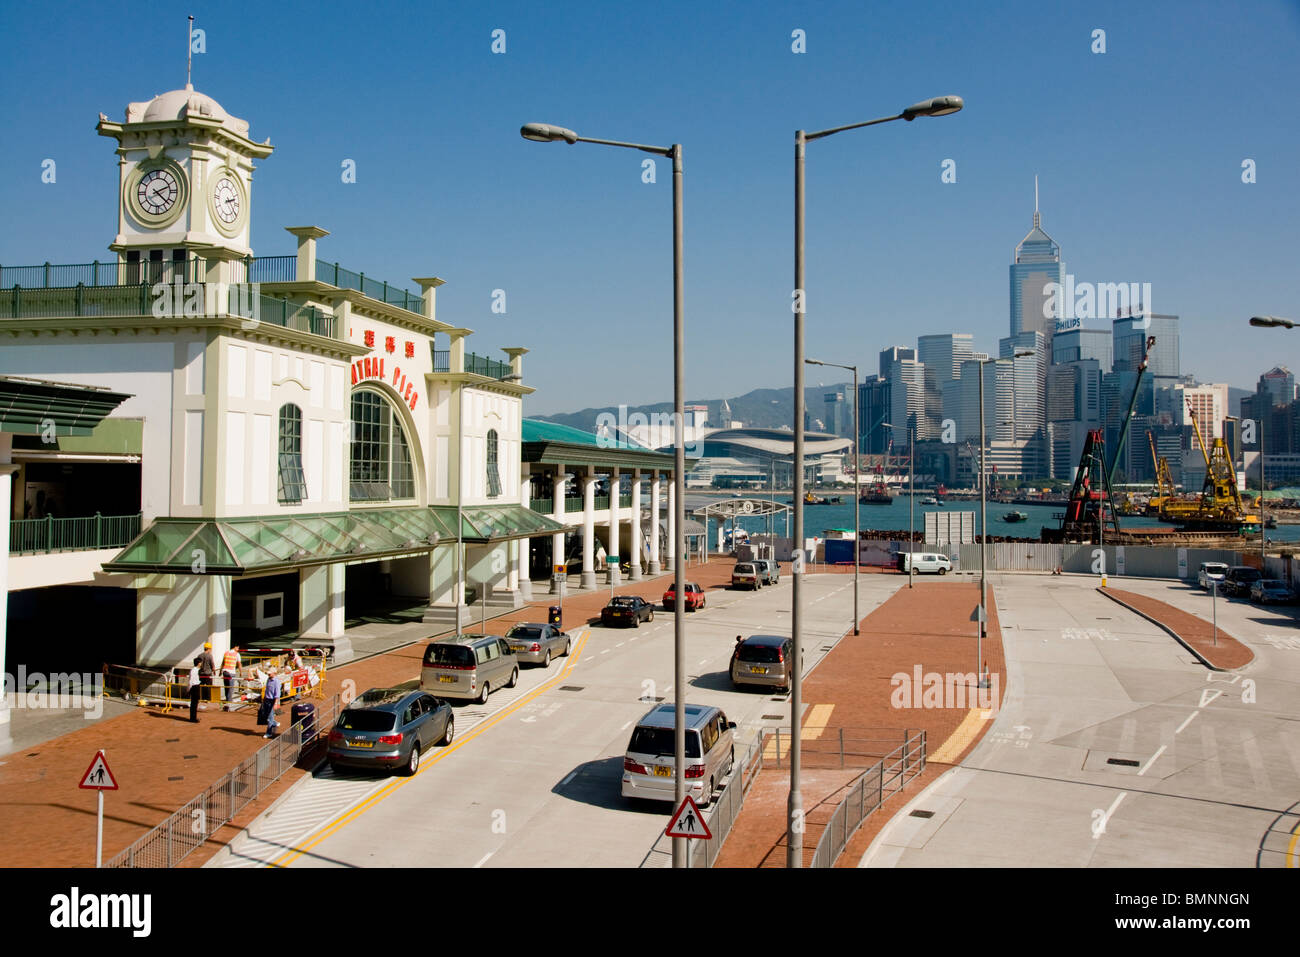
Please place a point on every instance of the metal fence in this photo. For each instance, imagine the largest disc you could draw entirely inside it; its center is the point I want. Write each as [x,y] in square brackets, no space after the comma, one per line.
[336,275]
[704,853]
[50,534]
[865,795]
[836,747]
[201,817]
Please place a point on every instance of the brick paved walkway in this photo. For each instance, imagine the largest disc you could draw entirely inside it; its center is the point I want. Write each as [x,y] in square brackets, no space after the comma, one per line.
[1223,652]
[928,625]
[161,760]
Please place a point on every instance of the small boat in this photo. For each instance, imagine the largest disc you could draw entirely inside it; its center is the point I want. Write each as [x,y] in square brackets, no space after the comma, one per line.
[929,500]
[1015,517]
[810,499]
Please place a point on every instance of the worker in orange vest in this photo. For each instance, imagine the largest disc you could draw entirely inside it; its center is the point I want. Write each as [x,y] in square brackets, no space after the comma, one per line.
[230,666]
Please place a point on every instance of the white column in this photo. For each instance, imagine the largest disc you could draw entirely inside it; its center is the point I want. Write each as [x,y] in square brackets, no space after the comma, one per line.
[338,591]
[313,601]
[6,498]
[614,513]
[524,547]
[557,540]
[635,532]
[671,549]
[655,568]
[588,528]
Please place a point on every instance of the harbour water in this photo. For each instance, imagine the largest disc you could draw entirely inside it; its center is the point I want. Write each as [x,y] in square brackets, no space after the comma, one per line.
[894,517]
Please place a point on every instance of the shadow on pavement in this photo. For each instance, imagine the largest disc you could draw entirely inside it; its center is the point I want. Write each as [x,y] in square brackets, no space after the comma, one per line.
[597,783]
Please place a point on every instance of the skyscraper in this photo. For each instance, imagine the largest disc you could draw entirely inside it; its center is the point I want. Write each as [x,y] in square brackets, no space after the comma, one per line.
[1129,337]
[873,409]
[942,356]
[1074,345]
[1029,382]
[1035,263]
[906,376]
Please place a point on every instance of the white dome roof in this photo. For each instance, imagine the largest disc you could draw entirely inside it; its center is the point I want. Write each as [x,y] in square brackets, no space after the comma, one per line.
[173,105]
[180,104]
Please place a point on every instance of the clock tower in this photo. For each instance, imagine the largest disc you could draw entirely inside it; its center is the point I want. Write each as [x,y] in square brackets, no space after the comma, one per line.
[185,176]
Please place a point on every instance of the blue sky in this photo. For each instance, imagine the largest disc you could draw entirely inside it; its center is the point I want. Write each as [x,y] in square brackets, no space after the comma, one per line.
[1138,152]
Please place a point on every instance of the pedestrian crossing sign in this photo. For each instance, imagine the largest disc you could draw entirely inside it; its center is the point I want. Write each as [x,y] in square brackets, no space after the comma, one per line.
[688,821]
[98,777]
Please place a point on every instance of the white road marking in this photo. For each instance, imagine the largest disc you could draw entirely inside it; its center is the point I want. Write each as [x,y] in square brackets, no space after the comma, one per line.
[1159,751]
[605,652]
[483,859]
[703,660]
[625,726]
[620,644]
[1211,696]
[1188,721]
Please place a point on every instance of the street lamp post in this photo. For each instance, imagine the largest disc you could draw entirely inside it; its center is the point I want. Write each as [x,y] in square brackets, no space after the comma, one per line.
[1267,322]
[857,506]
[936,107]
[911,483]
[544,133]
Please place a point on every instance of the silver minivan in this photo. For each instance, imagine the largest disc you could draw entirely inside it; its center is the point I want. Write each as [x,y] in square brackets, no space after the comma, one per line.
[648,766]
[763,660]
[468,667]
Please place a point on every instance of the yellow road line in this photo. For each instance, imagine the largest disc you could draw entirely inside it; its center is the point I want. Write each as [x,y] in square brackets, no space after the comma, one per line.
[959,739]
[1290,850]
[286,859]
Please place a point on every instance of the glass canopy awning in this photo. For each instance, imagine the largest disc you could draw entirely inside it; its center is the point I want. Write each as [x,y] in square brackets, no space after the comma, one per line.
[237,546]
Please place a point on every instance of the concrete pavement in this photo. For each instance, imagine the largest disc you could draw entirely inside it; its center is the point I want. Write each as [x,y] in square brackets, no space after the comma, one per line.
[1115,747]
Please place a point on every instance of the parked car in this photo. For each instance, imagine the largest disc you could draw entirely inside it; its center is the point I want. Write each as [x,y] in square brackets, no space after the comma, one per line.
[537,643]
[1211,572]
[770,570]
[693,597]
[1239,579]
[1271,591]
[764,660]
[468,667]
[388,728]
[924,562]
[649,765]
[627,610]
[746,575]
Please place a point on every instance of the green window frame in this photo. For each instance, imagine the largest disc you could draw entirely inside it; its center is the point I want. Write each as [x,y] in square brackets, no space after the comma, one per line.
[380,469]
[292,484]
[493,470]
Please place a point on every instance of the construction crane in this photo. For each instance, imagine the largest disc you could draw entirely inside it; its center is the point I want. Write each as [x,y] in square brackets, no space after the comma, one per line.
[1220,506]
[1086,518]
[1090,509]
[1164,480]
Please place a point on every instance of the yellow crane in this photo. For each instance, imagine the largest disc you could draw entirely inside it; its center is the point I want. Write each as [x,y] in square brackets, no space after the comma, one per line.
[1164,480]
[1220,503]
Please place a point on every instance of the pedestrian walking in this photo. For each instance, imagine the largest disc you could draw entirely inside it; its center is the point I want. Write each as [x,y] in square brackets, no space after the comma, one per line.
[194,686]
[207,669]
[230,665]
[270,698]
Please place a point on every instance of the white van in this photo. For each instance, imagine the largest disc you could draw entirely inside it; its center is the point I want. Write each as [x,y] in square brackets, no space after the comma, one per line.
[649,765]
[924,562]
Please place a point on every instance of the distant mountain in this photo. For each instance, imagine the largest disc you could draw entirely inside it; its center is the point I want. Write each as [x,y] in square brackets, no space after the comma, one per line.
[762,408]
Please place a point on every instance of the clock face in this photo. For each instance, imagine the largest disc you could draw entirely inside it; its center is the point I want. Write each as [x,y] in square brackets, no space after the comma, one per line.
[226,200]
[157,192]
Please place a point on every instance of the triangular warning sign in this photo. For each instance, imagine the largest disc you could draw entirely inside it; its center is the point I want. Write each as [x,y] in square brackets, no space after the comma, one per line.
[688,822]
[98,777]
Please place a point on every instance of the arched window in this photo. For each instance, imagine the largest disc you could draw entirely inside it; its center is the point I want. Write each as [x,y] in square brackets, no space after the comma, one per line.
[381,461]
[292,485]
[493,472]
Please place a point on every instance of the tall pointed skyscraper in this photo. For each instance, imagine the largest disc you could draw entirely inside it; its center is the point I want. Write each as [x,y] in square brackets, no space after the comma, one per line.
[1035,263]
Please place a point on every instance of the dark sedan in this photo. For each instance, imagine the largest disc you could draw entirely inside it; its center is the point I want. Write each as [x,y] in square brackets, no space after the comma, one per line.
[388,728]
[627,610]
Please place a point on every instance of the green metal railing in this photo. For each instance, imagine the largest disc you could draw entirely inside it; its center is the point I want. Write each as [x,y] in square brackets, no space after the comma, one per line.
[543,505]
[271,269]
[573,503]
[625,500]
[602,501]
[37,535]
[481,365]
[441,359]
[145,299]
[50,276]
[336,275]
